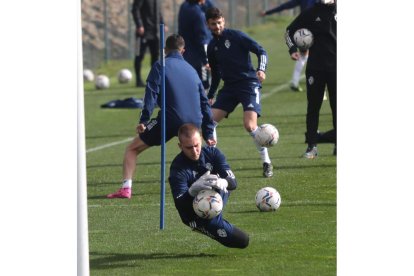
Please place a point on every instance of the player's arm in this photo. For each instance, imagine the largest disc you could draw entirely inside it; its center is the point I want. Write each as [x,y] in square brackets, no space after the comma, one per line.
[151,93]
[260,52]
[224,170]
[202,33]
[136,12]
[215,74]
[285,6]
[301,21]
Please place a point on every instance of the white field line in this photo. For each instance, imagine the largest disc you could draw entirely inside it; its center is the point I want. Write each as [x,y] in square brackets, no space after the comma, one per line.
[110,145]
[276,89]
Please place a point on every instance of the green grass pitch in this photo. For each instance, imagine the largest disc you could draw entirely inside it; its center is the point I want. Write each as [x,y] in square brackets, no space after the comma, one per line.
[298,239]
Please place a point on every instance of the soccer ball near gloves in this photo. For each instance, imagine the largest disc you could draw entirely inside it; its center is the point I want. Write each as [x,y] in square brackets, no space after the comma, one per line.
[208,204]
[267,135]
[268,199]
[303,39]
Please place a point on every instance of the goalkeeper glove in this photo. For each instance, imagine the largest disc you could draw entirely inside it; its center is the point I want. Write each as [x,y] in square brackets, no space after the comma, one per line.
[205,182]
[221,184]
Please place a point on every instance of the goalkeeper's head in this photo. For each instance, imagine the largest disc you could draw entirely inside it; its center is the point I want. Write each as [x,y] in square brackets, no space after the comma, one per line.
[174,42]
[190,141]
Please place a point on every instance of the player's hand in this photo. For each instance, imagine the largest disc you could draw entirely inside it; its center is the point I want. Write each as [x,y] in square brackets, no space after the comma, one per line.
[211,142]
[295,56]
[140,31]
[261,75]
[262,13]
[166,28]
[141,128]
[205,182]
[221,184]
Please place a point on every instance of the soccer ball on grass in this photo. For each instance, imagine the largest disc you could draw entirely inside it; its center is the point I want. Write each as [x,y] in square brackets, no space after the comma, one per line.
[88,75]
[207,204]
[267,135]
[268,199]
[303,39]
[124,76]
[102,82]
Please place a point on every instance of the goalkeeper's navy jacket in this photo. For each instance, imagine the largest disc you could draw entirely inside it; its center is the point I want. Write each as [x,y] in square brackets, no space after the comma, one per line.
[185,98]
[321,21]
[304,4]
[184,172]
[193,28]
[229,59]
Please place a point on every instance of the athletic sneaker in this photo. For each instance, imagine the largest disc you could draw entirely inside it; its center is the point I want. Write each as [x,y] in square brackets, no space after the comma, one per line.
[311,152]
[295,88]
[121,193]
[267,170]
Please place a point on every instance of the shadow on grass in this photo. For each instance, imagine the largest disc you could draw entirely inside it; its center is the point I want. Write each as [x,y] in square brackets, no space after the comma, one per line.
[115,260]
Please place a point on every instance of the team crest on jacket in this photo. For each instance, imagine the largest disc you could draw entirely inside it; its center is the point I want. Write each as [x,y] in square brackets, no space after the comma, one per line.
[227,43]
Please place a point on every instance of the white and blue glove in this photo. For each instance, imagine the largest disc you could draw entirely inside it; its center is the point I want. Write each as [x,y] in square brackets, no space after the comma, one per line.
[205,182]
[221,184]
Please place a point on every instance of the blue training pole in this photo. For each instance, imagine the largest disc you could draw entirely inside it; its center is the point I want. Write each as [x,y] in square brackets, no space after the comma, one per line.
[162,192]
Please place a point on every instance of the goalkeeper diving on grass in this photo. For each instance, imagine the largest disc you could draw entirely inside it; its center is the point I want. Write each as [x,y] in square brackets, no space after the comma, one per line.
[198,168]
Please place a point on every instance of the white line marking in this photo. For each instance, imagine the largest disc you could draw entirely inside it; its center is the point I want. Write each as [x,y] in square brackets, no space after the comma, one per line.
[110,145]
[264,96]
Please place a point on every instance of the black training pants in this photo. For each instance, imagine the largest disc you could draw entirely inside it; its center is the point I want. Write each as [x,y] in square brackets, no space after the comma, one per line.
[316,81]
[142,45]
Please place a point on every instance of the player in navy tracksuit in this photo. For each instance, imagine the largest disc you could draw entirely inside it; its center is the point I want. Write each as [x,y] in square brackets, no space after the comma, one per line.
[192,27]
[185,102]
[229,58]
[197,168]
[321,68]
[301,61]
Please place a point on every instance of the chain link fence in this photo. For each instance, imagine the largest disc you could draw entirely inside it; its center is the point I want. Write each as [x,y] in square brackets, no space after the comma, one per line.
[108,29]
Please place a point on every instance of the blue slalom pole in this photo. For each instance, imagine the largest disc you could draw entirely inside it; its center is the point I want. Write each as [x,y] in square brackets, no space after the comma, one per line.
[162,192]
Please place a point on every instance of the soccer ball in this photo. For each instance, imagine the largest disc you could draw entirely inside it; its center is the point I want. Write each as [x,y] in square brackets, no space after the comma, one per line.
[267,135]
[303,39]
[102,82]
[268,199]
[88,75]
[208,204]
[124,76]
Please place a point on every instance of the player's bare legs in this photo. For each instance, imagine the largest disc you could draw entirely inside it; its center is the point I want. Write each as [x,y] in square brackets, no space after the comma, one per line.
[250,124]
[130,161]
[131,154]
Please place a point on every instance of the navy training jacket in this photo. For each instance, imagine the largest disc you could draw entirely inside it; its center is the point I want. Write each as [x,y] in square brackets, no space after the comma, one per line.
[185,98]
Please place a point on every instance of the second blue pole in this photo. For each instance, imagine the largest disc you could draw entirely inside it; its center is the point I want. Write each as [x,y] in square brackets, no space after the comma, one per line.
[162,190]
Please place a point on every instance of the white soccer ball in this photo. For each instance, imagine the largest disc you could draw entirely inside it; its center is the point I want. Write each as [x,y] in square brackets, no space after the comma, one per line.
[208,204]
[88,75]
[267,135]
[303,39]
[124,76]
[268,199]
[102,82]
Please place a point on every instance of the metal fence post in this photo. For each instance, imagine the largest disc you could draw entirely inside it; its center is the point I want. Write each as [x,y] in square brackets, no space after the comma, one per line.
[106,32]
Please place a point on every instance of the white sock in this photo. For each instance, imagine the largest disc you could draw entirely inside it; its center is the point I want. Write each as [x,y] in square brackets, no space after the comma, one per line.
[300,63]
[215,132]
[127,183]
[264,155]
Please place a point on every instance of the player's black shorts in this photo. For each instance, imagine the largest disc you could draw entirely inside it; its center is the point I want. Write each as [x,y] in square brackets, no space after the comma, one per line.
[246,93]
[152,134]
